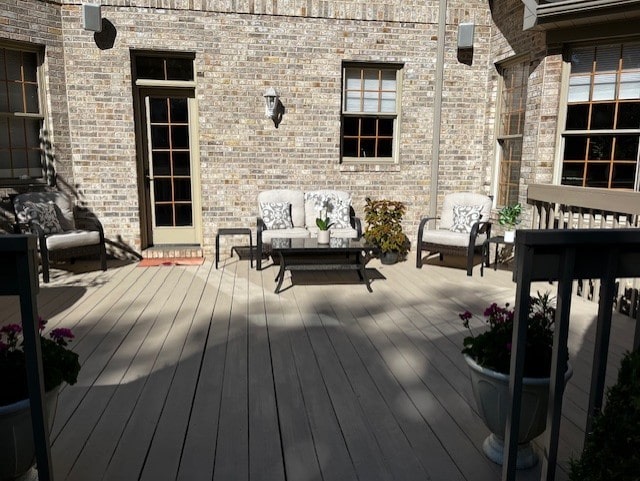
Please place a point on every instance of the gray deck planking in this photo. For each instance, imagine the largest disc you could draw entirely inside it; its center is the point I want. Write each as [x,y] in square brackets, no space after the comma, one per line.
[193,373]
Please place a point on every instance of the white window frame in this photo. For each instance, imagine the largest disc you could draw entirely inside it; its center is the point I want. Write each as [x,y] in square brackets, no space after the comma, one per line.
[363,113]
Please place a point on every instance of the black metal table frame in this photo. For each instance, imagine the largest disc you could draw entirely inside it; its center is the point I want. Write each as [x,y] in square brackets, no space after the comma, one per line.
[234,231]
[486,252]
[299,253]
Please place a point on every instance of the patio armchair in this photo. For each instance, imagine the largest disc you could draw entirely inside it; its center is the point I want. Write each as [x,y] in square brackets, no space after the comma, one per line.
[64,230]
[461,229]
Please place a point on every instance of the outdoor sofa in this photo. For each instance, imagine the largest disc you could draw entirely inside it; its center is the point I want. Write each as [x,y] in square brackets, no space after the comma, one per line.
[289,213]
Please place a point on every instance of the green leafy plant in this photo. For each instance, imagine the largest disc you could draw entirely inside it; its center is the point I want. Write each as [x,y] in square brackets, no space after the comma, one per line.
[492,348]
[60,364]
[611,450]
[384,225]
[323,224]
[509,216]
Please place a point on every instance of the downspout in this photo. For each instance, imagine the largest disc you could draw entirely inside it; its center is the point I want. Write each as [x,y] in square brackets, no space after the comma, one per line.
[437,108]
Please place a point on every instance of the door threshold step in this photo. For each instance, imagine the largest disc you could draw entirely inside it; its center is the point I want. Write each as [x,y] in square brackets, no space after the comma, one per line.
[166,251]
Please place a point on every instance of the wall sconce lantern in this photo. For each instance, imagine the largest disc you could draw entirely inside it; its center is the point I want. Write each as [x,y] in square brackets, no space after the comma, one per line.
[273,107]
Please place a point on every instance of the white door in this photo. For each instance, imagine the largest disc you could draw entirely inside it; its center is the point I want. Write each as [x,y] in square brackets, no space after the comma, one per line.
[172,170]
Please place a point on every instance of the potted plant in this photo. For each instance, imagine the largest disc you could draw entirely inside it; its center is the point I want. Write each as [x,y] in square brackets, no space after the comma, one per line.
[488,356]
[509,218]
[384,229]
[324,225]
[60,364]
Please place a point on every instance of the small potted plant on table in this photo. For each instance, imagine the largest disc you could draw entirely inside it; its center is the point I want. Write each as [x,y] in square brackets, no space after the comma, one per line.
[384,229]
[60,364]
[323,223]
[509,218]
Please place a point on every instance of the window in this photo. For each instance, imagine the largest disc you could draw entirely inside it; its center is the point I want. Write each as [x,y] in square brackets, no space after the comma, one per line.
[513,100]
[21,119]
[600,139]
[370,108]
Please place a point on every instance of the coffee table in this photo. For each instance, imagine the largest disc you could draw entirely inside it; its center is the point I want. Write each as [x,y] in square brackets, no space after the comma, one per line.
[307,255]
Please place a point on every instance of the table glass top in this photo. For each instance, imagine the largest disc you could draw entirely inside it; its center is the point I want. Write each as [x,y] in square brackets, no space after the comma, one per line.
[312,243]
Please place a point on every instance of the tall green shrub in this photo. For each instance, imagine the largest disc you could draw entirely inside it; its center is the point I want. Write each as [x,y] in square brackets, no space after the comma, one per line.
[612,450]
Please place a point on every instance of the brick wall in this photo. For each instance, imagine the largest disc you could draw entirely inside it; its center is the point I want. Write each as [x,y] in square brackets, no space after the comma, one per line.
[243,47]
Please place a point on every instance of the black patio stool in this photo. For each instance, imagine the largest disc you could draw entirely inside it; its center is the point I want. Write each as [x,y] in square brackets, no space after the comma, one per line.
[234,231]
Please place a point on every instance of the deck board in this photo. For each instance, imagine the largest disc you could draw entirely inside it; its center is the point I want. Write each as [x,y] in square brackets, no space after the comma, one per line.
[191,373]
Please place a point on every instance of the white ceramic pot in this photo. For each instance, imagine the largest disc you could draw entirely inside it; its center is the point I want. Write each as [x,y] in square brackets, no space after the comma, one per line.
[510,236]
[17,449]
[491,392]
[324,236]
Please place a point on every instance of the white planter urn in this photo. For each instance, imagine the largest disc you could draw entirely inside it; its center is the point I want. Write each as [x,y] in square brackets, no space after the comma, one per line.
[491,392]
[324,236]
[17,449]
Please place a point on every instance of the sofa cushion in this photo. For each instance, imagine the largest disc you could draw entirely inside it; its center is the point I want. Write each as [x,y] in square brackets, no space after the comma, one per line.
[349,232]
[336,203]
[276,215]
[42,214]
[464,216]
[293,197]
[296,232]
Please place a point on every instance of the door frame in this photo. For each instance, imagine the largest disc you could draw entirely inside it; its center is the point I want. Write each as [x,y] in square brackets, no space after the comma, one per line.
[152,88]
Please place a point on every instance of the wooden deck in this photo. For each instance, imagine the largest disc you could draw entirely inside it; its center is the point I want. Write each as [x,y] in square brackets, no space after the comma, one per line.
[191,373]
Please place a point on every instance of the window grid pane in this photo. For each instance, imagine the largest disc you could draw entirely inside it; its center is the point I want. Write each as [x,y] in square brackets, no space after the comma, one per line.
[373,137]
[370,90]
[604,96]
[20,137]
[169,124]
[512,116]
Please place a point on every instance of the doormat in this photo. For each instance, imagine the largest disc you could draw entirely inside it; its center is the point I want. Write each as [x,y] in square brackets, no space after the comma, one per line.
[171,261]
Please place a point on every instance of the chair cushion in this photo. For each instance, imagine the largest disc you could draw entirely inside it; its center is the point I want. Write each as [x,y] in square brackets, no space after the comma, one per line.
[43,214]
[448,238]
[463,198]
[74,238]
[336,202]
[62,202]
[464,216]
[293,197]
[296,232]
[276,215]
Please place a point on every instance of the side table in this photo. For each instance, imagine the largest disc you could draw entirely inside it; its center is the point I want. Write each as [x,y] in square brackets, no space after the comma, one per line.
[486,251]
[234,231]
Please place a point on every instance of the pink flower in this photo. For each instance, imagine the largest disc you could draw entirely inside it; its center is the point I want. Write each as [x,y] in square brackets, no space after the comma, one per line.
[60,335]
[11,329]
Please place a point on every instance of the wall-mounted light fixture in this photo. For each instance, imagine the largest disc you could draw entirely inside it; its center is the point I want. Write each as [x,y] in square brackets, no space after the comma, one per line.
[273,108]
[92,17]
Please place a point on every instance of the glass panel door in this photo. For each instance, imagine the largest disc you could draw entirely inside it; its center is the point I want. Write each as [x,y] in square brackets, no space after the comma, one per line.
[170,167]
